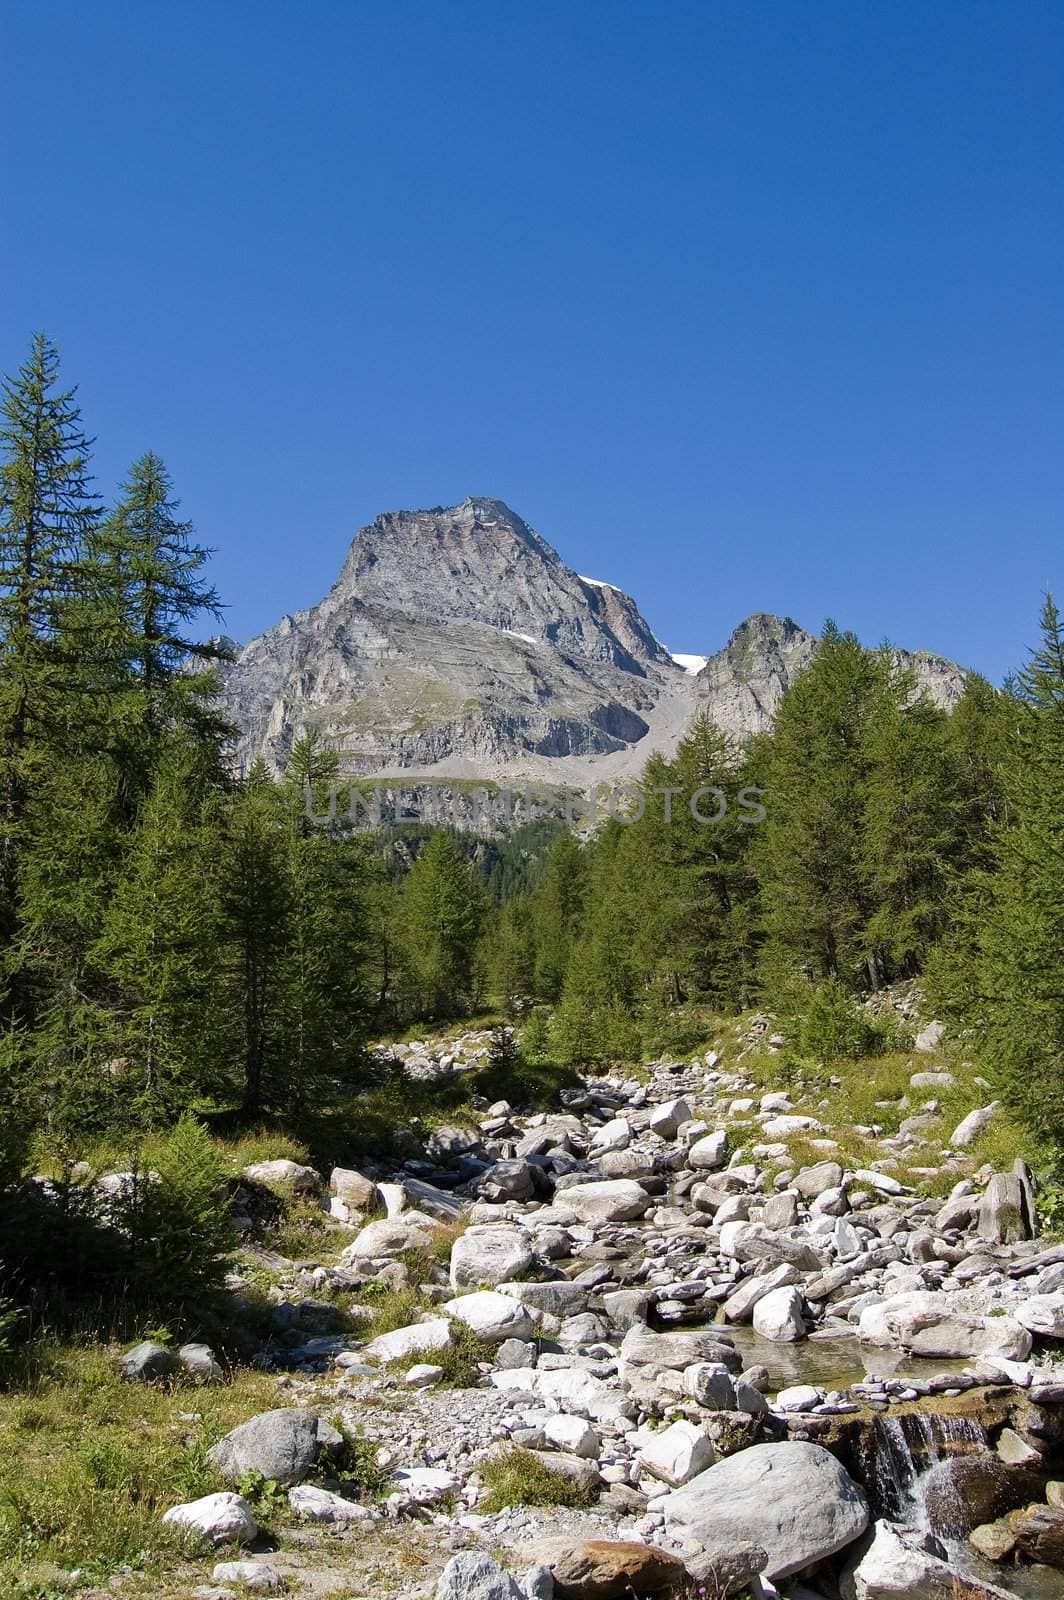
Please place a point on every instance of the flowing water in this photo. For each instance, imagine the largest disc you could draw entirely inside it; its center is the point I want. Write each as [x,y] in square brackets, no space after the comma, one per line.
[830,1363]
[905,1445]
[905,1448]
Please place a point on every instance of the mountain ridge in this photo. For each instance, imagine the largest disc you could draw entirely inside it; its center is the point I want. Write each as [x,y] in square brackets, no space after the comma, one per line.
[457,642]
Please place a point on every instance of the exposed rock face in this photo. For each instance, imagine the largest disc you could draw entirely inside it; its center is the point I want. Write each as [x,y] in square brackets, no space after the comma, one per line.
[457,643]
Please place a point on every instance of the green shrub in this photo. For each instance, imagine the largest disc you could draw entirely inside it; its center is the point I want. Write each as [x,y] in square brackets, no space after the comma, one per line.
[827,1023]
[671,1030]
[516,1477]
[595,1033]
[177,1222]
[536,1040]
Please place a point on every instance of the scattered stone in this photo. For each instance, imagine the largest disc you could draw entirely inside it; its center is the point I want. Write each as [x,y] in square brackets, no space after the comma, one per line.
[422,1375]
[676,1454]
[968,1130]
[492,1317]
[390,1236]
[199,1362]
[313,1504]
[473,1575]
[667,1118]
[253,1575]
[616,1200]
[220,1519]
[608,1569]
[778,1316]
[419,1338]
[710,1153]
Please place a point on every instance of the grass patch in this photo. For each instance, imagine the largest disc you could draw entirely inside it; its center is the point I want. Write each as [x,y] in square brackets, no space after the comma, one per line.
[527,1084]
[305,1233]
[516,1477]
[89,1462]
[461,1361]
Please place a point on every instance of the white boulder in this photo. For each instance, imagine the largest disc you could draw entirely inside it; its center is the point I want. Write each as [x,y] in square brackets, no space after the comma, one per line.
[223,1518]
[493,1317]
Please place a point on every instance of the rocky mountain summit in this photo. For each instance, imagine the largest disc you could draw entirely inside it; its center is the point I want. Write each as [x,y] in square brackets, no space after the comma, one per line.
[457,643]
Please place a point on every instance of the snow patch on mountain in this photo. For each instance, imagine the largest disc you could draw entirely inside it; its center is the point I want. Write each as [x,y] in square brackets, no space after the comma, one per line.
[692,665]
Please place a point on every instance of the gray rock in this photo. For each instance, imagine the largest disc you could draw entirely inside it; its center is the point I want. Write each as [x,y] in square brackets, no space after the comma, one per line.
[891,1567]
[929,1324]
[617,1200]
[447,1143]
[811,1181]
[1003,1210]
[507,1180]
[666,1119]
[538,1583]
[729,1573]
[199,1362]
[283,1174]
[148,1363]
[310,1503]
[676,1351]
[1042,1314]
[279,1445]
[419,1338]
[794,1501]
[473,1575]
[492,1317]
[739,1306]
[967,1131]
[778,1316]
[710,1153]
[256,1576]
[390,1236]
[489,1254]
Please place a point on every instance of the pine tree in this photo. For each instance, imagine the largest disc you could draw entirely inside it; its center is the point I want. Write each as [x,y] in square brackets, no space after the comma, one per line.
[160,949]
[148,590]
[257,907]
[510,955]
[807,852]
[594,1020]
[557,906]
[443,909]
[909,825]
[47,514]
[1015,997]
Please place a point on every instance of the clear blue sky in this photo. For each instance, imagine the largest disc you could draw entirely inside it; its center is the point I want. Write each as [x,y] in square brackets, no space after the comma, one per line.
[744,307]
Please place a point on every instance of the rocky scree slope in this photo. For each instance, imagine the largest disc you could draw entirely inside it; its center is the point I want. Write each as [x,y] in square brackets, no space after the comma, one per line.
[456,642]
[659,1276]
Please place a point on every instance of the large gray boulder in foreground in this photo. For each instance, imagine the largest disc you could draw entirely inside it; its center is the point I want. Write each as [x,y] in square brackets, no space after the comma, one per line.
[280,1445]
[794,1501]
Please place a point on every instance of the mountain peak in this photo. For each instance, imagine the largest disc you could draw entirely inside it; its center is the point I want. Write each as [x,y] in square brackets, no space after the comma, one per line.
[457,643]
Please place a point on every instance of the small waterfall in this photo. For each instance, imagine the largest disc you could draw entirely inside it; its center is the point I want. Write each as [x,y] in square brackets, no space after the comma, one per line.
[905,1448]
